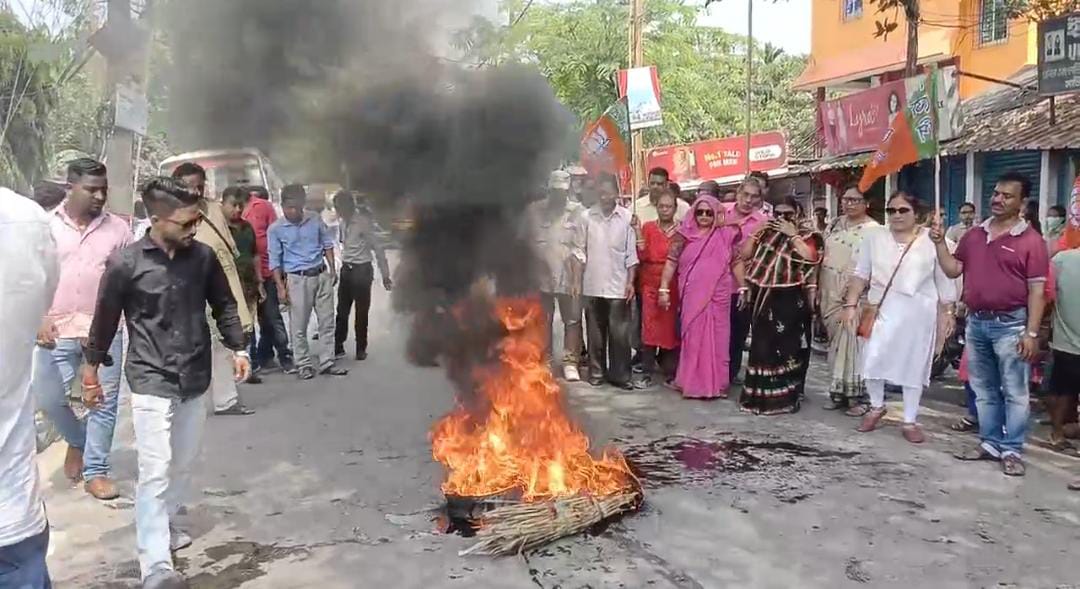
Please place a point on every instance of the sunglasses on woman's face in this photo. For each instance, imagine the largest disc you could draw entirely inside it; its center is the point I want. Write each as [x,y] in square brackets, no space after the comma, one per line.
[898,210]
[704,213]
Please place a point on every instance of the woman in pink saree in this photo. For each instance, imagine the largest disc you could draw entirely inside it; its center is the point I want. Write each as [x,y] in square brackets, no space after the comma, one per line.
[703,253]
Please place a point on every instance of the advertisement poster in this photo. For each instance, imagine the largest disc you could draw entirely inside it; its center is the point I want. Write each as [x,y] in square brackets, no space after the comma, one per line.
[720,159]
[641,88]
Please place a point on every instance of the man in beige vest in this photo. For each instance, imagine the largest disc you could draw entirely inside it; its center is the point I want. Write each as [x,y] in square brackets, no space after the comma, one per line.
[214,232]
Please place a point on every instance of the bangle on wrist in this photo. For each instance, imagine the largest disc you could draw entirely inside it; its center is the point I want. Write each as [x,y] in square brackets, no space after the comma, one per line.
[847,305]
[664,290]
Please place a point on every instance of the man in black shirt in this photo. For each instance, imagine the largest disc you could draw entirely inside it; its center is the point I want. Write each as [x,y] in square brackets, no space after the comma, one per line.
[161,285]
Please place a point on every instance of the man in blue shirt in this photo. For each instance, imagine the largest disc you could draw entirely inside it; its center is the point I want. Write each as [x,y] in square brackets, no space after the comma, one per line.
[302,260]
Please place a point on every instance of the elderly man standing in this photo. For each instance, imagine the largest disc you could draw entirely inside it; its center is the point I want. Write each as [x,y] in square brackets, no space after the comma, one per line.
[213,231]
[28,263]
[610,272]
[302,260]
[558,228]
[86,235]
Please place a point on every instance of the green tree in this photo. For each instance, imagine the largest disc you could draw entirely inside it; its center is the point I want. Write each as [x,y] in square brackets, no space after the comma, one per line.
[580,46]
[26,97]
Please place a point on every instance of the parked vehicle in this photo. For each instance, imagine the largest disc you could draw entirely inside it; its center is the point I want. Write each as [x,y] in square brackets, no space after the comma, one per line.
[226,167]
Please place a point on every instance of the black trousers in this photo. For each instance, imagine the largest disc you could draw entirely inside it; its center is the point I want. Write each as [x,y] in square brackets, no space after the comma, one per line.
[608,324]
[354,288]
[740,329]
[272,332]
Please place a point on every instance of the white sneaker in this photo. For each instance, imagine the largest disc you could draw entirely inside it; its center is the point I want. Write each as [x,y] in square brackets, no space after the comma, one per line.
[570,373]
[178,539]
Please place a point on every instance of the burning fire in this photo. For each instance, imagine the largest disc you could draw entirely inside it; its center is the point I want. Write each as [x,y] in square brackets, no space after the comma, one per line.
[526,441]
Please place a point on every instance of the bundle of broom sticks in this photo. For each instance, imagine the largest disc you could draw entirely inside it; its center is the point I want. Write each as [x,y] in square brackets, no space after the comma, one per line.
[515,528]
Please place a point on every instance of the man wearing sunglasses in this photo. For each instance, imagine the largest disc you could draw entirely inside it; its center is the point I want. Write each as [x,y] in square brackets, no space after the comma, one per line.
[161,285]
[1005,265]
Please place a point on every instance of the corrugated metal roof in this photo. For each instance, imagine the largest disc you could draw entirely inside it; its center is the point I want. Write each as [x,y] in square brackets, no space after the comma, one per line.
[1015,119]
[852,160]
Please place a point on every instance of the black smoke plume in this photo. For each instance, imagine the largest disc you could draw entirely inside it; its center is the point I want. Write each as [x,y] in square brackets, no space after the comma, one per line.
[349,89]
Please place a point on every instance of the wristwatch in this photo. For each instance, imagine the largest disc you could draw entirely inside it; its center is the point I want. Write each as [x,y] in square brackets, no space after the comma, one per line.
[1032,334]
[241,353]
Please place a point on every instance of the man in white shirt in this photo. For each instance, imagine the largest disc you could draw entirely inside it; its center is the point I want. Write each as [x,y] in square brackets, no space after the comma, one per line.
[967,221]
[659,179]
[610,271]
[28,263]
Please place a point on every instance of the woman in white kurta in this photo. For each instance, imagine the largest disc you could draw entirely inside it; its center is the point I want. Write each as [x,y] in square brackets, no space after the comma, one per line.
[901,346]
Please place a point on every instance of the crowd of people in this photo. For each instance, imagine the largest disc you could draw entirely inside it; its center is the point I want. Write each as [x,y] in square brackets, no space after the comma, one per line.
[189,286]
[673,288]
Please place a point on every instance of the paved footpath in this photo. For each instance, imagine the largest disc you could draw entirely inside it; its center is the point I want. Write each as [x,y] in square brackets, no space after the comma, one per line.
[331,485]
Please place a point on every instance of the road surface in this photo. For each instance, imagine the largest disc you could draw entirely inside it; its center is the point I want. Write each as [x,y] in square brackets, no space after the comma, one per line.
[331,484]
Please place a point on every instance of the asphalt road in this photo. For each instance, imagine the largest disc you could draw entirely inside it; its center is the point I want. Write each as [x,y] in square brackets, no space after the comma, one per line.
[331,484]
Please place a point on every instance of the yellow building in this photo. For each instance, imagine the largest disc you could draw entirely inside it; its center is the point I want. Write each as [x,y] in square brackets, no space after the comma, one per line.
[974,35]
[984,45]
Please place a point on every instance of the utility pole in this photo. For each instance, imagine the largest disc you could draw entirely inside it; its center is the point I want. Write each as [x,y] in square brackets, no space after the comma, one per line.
[637,59]
[749,78]
[124,45]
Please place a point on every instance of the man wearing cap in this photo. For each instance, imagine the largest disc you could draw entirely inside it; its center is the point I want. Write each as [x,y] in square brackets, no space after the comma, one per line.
[302,260]
[558,230]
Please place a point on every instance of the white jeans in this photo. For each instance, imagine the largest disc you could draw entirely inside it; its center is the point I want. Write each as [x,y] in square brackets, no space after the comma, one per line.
[168,433]
[222,383]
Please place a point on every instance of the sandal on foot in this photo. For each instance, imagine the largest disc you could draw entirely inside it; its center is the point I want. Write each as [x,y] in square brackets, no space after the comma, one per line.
[965,425]
[835,405]
[1063,446]
[1012,465]
[974,453]
[1074,486]
[913,433]
[871,419]
[859,410]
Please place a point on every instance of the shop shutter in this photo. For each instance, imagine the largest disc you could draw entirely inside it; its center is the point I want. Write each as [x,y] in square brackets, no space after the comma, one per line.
[996,163]
[953,186]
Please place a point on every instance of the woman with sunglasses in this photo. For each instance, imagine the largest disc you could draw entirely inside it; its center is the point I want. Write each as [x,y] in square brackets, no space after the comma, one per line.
[907,292]
[781,269]
[703,253]
[843,239]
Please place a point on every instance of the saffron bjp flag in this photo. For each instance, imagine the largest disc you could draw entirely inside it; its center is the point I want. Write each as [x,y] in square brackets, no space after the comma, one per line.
[1071,239]
[912,134]
[605,145]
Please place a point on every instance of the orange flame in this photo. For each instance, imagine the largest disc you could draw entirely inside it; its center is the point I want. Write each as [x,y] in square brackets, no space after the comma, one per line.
[526,441]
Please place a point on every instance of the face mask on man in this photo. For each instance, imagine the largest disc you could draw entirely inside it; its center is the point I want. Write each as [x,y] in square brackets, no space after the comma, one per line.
[1055,223]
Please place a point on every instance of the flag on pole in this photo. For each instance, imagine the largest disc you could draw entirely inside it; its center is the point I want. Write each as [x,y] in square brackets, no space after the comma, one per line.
[912,135]
[605,145]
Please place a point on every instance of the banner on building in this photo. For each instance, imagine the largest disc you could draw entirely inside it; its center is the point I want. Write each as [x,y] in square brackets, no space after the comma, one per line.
[1059,55]
[641,88]
[605,145]
[857,122]
[720,159]
[912,135]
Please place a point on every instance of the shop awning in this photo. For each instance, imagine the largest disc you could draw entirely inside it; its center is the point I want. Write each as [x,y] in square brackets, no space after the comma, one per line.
[877,59]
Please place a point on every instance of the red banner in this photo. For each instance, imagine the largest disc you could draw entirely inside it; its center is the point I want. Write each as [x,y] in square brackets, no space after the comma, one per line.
[858,122]
[719,159]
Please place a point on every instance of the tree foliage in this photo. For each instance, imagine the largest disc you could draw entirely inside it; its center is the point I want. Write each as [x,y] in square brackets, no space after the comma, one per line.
[580,45]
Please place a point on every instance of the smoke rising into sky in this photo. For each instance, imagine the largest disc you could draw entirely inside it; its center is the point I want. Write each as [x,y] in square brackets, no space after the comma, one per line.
[352,88]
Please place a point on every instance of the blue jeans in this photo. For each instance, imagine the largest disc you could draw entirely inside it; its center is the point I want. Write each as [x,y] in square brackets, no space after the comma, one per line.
[1000,378]
[272,333]
[54,372]
[22,565]
[972,408]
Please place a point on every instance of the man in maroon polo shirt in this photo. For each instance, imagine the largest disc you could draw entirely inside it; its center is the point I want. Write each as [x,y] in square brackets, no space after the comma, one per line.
[1005,265]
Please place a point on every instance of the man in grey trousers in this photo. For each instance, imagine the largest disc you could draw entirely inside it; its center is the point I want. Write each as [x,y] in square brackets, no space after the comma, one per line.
[302,260]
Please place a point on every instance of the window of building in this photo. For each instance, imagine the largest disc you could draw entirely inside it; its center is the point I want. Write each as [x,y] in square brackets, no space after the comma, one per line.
[993,22]
[852,9]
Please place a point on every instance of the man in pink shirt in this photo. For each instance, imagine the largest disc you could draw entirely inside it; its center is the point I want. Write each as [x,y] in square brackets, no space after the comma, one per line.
[272,333]
[746,213]
[85,236]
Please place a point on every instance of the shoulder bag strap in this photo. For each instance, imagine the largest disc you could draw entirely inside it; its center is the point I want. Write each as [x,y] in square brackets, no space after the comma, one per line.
[888,286]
